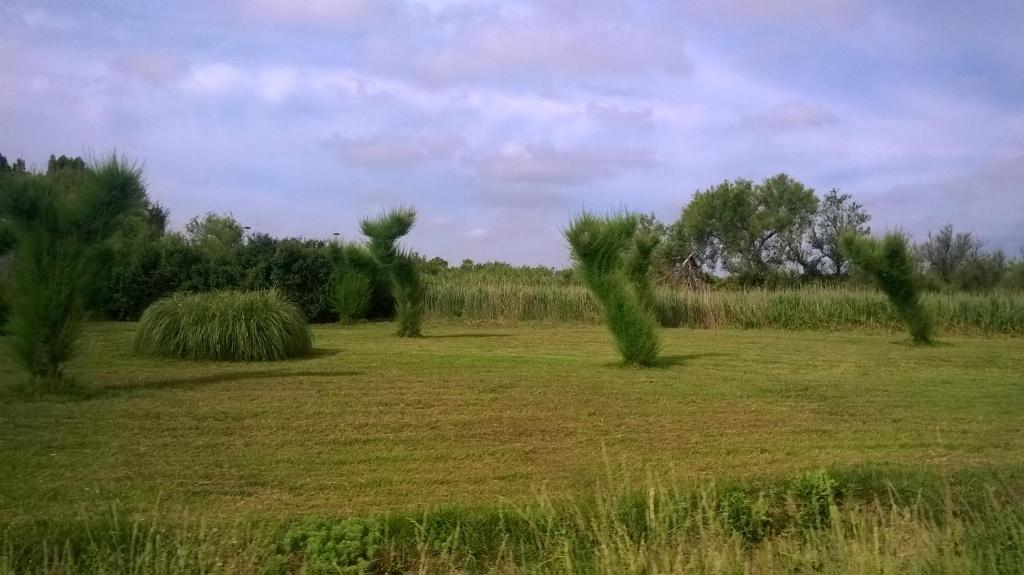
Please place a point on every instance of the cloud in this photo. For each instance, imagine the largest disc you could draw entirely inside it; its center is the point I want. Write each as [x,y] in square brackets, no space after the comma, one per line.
[793,115]
[345,13]
[615,114]
[986,201]
[393,151]
[217,78]
[542,163]
[154,68]
[546,42]
[42,20]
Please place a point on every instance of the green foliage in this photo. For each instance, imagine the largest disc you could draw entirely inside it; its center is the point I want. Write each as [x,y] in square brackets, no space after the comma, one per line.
[889,261]
[748,227]
[226,325]
[348,546]
[745,514]
[62,221]
[600,246]
[401,267]
[360,287]
[680,529]
[813,496]
[818,254]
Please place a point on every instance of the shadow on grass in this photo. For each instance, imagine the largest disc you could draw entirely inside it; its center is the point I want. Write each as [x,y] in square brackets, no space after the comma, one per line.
[667,361]
[214,378]
[467,335]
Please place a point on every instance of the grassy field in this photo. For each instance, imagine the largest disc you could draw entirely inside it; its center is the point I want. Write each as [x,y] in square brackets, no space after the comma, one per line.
[473,414]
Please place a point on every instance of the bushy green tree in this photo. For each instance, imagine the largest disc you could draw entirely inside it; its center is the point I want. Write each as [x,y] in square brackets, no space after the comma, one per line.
[61,227]
[614,264]
[746,227]
[383,232]
[891,264]
[817,251]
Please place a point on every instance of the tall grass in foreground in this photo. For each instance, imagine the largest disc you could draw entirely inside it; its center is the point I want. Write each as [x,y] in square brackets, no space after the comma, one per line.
[227,325]
[451,297]
[817,522]
[614,263]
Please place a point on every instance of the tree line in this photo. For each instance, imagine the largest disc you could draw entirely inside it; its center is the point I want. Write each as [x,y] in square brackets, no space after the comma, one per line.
[774,233]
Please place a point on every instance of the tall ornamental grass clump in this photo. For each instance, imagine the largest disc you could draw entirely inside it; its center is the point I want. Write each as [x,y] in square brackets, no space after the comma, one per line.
[889,261]
[384,231]
[601,247]
[61,223]
[226,325]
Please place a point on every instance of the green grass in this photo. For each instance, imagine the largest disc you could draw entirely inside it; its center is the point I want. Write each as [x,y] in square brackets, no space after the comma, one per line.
[450,296]
[818,522]
[472,414]
[524,448]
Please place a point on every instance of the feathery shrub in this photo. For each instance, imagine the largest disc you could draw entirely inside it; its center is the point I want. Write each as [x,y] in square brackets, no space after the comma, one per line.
[61,221]
[600,247]
[384,232]
[226,325]
[889,262]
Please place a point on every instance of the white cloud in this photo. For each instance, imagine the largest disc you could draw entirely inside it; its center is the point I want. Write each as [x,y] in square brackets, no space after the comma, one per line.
[542,163]
[213,78]
[792,115]
[393,151]
[155,68]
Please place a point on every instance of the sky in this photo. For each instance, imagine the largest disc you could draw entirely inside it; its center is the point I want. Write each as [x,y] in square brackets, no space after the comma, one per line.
[499,120]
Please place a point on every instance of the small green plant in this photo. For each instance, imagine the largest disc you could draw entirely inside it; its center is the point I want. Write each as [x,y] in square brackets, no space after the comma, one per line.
[889,262]
[745,514]
[227,325]
[384,231]
[618,278]
[814,495]
[348,546]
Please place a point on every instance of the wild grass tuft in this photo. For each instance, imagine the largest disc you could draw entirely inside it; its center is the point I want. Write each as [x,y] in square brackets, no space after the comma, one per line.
[228,325]
[614,265]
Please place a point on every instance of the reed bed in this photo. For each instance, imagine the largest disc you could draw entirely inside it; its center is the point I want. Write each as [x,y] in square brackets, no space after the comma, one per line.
[817,522]
[552,298]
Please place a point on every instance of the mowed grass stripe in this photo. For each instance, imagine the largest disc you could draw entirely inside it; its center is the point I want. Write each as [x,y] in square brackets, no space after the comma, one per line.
[471,414]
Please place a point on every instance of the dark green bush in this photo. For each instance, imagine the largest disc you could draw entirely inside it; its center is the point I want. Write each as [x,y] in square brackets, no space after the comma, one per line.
[891,265]
[227,325]
[599,247]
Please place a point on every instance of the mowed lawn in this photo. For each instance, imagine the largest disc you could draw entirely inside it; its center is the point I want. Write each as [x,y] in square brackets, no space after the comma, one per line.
[477,413]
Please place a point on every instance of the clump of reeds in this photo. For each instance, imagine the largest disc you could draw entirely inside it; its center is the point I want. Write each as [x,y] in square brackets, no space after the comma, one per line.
[226,325]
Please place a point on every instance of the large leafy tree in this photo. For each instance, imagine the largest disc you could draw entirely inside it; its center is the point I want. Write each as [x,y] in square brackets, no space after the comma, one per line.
[816,250]
[745,227]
